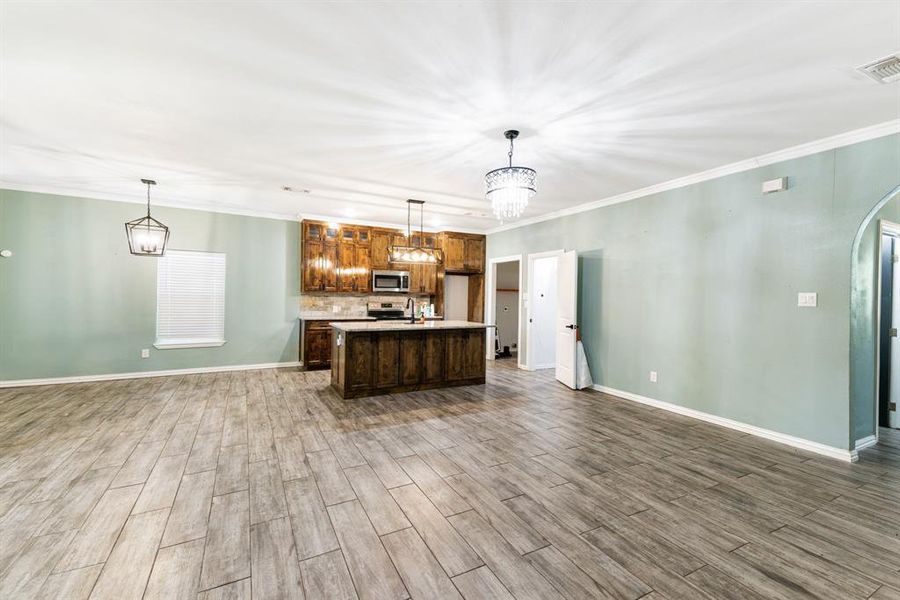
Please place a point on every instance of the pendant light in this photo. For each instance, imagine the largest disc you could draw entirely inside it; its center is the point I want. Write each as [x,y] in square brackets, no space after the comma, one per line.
[147,236]
[510,188]
[416,253]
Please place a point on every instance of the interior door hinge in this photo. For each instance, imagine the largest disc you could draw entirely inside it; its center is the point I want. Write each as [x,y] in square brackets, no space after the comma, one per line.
[895,257]
[892,406]
[893,332]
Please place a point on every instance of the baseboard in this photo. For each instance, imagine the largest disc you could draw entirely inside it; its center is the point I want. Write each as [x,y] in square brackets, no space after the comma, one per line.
[782,438]
[866,442]
[111,376]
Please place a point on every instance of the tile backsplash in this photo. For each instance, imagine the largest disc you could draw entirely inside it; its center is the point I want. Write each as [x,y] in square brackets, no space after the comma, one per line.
[349,305]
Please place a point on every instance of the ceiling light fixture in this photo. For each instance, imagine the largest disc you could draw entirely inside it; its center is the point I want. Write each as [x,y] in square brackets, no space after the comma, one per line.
[510,188]
[415,251]
[147,236]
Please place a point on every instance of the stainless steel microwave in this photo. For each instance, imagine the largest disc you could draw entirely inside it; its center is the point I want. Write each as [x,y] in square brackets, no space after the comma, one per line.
[390,281]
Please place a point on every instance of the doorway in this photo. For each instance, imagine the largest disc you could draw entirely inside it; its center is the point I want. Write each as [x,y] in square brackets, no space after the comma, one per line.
[503,303]
[888,355]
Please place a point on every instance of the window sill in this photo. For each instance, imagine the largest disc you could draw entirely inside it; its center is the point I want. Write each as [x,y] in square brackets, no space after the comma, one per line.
[172,345]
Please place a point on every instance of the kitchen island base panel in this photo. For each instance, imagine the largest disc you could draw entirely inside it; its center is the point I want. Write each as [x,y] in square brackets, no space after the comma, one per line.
[371,363]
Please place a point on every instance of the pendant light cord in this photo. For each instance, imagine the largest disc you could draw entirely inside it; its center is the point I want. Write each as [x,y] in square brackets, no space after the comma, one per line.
[148,199]
[510,151]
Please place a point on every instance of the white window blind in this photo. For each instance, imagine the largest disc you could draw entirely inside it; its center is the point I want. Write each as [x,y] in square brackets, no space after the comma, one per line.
[190,299]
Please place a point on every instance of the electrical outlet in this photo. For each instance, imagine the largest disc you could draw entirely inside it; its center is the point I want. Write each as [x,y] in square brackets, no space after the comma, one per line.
[145,353]
[653,376]
[807,299]
[335,308]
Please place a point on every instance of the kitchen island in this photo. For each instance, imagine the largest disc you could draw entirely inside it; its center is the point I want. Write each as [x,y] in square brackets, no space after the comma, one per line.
[384,357]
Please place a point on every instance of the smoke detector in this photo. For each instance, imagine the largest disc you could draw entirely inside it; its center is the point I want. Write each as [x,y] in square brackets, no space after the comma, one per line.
[883,70]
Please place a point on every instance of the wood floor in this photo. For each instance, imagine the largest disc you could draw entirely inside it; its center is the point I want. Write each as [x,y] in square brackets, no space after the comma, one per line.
[265,484]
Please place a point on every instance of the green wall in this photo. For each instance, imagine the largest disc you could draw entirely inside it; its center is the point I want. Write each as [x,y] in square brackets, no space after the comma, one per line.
[700,284]
[73,301]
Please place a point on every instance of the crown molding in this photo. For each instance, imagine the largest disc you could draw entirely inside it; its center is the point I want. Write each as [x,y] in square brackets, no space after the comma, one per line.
[830,143]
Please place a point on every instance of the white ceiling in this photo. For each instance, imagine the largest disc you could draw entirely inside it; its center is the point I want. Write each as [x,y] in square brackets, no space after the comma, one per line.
[367,104]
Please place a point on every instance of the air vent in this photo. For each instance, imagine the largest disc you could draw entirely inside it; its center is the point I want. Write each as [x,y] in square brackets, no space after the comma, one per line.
[884,70]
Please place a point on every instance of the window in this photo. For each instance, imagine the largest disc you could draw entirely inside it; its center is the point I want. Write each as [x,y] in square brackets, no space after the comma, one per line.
[190,299]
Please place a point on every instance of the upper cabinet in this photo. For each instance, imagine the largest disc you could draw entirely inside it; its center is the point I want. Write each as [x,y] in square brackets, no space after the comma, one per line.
[340,258]
[463,253]
[380,244]
[319,257]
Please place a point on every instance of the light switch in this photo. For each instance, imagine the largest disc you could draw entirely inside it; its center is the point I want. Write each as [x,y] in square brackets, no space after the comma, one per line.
[807,299]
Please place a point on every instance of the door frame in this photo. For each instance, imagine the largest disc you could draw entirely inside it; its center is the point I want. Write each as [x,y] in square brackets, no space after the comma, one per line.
[529,363]
[885,227]
[490,304]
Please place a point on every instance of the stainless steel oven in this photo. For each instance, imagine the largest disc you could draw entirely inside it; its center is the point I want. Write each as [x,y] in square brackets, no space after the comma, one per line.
[390,281]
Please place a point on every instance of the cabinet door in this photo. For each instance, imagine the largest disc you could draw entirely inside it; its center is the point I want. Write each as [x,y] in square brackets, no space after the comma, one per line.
[415,278]
[346,272]
[360,356]
[317,349]
[363,273]
[313,271]
[313,230]
[331,233]
[475,255]
[363,236]
[455,368]
[454,253]
[433,362]
[475,350]
[387,360]
[380,246]
[330,264]
[429,275]
[410,358]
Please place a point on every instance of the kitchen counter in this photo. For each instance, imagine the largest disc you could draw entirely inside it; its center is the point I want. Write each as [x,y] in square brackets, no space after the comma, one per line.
[385,357]
[405,325]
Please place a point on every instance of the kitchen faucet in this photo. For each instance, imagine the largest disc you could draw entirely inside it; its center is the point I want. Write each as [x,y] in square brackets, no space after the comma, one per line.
[412,309]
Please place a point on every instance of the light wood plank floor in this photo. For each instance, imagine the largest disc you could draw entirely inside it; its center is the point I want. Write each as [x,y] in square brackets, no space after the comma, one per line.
[265,484]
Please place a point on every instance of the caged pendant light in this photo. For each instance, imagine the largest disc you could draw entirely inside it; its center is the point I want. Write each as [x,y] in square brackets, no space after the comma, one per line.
[510,188]
[147,236]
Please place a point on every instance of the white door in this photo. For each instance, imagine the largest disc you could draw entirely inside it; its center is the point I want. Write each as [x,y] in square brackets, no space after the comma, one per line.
[894,415]
[566,310]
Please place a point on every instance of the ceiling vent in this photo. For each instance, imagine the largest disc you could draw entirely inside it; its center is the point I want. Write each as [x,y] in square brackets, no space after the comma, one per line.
[884,70]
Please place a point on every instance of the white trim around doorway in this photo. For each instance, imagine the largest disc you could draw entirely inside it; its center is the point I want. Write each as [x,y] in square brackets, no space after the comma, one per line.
[490,304]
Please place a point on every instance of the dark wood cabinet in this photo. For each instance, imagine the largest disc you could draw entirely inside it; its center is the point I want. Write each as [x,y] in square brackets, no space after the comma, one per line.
[387,360]
[380,248]
[463,253]
[475,254]
[320,257]
[340,258]
[317,345]
[370,363]
[454,248]
[423,279]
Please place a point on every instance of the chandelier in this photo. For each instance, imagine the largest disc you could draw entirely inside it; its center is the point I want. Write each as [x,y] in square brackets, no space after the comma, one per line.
[510,188]
[415,252]
[147,236]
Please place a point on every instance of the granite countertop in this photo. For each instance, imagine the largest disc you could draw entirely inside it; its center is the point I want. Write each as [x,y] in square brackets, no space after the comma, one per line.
[317,315]
[406,325]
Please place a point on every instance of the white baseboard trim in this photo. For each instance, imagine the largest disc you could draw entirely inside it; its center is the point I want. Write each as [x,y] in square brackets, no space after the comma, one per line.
[783,438]
[866,442]
[9,383]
